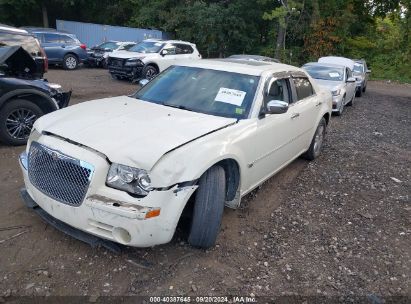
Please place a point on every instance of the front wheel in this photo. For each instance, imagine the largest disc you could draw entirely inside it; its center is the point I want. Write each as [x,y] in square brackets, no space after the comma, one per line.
[70,62]
[149,72]
[208,208]
[16,121]
[317,142]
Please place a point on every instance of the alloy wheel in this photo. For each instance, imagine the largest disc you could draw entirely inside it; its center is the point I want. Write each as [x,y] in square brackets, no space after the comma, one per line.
[19,123]
[71,62]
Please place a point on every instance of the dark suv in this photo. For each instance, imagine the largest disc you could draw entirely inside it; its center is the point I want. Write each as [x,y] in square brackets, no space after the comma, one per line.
[62,48]
[24,96]
[11,36]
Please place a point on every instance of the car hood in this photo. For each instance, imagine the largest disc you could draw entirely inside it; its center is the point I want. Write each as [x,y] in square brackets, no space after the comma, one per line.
[330,84]
[130,131]
[128,54]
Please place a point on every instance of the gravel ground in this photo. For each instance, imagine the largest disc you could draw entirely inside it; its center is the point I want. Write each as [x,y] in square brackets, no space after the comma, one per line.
[336,228]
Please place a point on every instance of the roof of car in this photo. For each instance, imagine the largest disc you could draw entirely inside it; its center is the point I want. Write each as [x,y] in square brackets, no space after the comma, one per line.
[253,57]
[8,28]
[255,68]
[168,41]
[45,30]
[325,64]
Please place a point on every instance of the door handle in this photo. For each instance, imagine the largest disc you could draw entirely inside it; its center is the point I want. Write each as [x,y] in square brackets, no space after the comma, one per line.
[319,103]
[295,115]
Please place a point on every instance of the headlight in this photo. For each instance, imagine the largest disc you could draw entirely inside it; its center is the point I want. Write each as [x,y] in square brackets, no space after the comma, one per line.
[134,62]
[129,179]
[336,92]
[56,87]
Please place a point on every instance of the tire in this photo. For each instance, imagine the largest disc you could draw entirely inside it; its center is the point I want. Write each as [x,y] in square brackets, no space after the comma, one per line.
[114,76]
[149,72]
[364,89]
[70,62]
[208,208]
[16,121]
[341,109]
[351,103]
[314,150]
[358,93]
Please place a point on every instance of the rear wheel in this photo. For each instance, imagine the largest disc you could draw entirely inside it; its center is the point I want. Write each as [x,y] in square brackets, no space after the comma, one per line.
[70,62]
[317,142]
[16,121]
[208,208]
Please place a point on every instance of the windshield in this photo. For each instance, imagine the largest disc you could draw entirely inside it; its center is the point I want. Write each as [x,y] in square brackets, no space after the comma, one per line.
[201,90]
[147,47]
[108,45]
[358,68]
[325,72]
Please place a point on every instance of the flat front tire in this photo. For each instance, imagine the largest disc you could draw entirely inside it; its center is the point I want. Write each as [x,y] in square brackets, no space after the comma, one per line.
[317,142]
[208,208]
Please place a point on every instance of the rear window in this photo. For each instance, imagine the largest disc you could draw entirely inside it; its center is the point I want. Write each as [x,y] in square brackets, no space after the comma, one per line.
[28,43]
[303,87]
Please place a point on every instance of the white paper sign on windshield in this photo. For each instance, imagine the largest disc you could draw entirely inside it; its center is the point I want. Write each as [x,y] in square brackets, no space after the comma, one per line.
[234,97]
[333,74]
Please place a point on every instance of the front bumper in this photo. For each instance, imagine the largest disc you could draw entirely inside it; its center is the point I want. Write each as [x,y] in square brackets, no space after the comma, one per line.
[62,99]
[109,213]
[337,100]
[126,72]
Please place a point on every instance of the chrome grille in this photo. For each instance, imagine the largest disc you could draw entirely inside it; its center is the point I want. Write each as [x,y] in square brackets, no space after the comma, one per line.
[57,175]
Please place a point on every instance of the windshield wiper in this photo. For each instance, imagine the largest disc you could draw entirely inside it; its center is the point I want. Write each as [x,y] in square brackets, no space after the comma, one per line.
[177,106]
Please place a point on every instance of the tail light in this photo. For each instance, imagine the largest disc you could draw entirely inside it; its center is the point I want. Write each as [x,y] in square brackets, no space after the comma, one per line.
[45,61]
[83,46]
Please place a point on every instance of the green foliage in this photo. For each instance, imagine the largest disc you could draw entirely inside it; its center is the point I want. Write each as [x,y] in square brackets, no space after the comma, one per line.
[296,31]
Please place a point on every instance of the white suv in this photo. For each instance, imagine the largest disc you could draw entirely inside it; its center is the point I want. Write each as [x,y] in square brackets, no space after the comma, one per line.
[200,135]
[149,57]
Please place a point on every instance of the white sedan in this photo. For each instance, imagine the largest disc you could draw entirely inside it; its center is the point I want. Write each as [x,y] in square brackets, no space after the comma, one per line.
[199,136]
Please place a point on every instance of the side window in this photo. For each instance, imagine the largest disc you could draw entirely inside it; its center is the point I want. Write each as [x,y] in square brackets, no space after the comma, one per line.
[187,49]
[67,39]
[303,87]
[279,90]
[171,49]
[179,49]
[52,38]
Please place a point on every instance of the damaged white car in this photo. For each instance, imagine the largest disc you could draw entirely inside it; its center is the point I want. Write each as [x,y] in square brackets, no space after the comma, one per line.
[199,136]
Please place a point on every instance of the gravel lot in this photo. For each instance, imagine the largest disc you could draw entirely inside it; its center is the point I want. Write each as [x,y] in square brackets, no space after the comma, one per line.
[337,227]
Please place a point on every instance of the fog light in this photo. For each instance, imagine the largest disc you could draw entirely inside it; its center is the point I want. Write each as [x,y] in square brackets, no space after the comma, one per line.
[121,235]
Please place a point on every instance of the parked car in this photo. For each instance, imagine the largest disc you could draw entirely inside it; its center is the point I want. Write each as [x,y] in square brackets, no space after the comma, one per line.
[149,57]
[62,48]
[254,57]
[361,74]
[98,55]
[24,97]
[203,132]
[337,79]
[11,36]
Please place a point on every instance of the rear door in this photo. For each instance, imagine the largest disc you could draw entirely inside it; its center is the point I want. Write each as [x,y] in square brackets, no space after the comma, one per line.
[304,111]
[350,86]
[54,46]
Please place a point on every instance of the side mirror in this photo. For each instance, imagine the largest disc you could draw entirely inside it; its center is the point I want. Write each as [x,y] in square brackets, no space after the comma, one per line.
[143,82]
[368,71]
[276,107]
[163,52]
[351,79]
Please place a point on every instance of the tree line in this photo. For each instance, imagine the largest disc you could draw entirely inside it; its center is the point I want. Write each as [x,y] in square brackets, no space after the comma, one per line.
[294,31]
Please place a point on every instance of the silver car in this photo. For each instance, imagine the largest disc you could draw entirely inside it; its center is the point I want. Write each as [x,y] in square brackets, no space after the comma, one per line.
[361,74]
[336,78]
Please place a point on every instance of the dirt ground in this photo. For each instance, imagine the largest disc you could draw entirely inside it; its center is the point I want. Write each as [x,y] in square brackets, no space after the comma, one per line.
[338,227]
